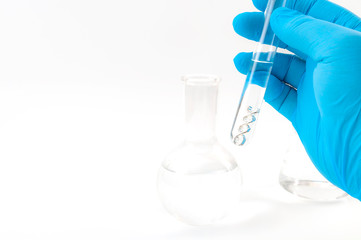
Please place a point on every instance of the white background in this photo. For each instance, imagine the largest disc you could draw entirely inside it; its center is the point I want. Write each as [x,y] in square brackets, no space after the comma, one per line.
[91,102]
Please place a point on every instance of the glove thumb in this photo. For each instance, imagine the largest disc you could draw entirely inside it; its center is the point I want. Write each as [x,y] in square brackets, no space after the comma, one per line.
[315,38]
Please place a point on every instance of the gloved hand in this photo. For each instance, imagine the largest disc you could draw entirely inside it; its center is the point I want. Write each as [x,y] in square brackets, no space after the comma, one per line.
[319,88]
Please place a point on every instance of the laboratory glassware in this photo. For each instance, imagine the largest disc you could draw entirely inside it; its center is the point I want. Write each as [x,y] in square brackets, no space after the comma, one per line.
[300,177]
[200,182]
[256,81]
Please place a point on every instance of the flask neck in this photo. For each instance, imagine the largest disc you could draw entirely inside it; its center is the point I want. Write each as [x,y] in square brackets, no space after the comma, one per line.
[201,108]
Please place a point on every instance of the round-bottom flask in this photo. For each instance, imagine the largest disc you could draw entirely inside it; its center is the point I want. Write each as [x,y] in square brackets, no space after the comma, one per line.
[200,182]
[300,177]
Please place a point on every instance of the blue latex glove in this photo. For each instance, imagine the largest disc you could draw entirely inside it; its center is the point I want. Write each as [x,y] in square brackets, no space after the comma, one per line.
[325,109]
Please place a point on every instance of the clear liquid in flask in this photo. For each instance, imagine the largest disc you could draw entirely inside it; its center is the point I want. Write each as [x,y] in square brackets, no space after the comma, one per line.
[202,198]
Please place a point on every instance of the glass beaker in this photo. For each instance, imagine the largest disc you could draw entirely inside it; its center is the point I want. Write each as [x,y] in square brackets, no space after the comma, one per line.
[300,177]
[199,182]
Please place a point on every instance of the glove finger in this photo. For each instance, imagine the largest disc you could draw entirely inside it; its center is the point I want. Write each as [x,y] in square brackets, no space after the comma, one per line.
[250,25]
[320,9]
[288,68]
[281,97]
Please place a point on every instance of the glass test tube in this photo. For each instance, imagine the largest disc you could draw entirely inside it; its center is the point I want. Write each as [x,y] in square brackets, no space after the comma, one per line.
[256,81]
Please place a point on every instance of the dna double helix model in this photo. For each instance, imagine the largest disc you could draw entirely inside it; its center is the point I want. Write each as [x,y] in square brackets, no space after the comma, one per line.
[245,128]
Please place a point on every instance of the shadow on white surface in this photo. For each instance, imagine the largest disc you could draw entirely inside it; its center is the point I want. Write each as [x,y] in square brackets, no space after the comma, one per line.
[261,216]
